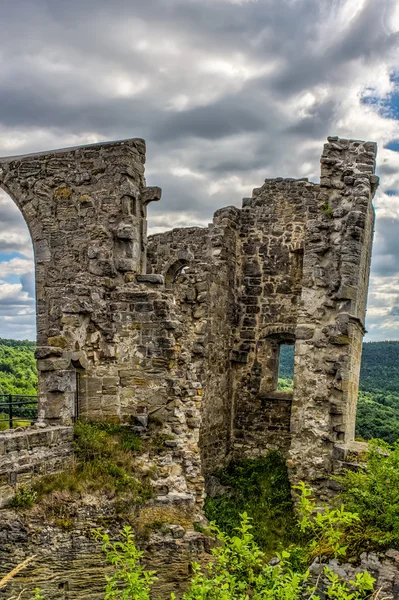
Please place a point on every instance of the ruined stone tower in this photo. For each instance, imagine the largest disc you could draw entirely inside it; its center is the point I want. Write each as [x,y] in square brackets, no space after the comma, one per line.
[187,325]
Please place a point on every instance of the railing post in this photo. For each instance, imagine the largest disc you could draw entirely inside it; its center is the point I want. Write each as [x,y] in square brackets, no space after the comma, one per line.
[10,410]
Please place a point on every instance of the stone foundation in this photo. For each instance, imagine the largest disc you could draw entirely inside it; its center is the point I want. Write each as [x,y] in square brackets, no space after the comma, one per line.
[30,452]
[70,564]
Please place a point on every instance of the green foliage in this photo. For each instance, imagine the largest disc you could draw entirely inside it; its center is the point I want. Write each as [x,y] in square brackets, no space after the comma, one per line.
[238,570]
[378,416]
[261,489]
[4,422]
[326,529]
[18,374]
[380,368]
[378,406]
[327,210]
[130,580]
[24,497]
[373,493]
[285,385]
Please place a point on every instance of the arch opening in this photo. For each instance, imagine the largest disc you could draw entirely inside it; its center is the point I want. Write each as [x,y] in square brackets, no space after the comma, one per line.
[174,270]
[17,274]
[273,356]
[18,371]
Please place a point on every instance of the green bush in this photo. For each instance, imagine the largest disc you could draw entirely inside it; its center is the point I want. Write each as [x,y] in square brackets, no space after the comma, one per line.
[24,497]
[239,569]
[130,580]
[373,493]
[260,488]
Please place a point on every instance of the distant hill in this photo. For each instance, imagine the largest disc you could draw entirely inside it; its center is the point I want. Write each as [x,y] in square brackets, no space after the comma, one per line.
[18,373]
[378,406]
[380,367]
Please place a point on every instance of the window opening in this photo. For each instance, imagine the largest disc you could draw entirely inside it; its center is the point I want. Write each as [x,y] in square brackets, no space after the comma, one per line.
[286,367]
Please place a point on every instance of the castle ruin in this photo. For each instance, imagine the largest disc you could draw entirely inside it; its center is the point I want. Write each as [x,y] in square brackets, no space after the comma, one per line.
[186,326]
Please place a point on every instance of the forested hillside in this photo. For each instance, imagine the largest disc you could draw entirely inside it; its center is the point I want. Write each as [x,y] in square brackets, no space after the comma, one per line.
[378,407]
[17,367]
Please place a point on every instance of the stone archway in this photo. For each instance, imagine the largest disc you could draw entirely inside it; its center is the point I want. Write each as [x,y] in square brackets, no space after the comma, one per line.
[85,208]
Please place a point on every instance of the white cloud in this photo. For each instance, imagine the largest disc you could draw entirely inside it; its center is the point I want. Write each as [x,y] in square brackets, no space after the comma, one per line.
[16,266]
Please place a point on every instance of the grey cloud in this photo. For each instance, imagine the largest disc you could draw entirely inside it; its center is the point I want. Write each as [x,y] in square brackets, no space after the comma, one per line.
[386,169]
[318,124]
[212,122]
[28,284]
[386,247]
[14,301]
[58,66]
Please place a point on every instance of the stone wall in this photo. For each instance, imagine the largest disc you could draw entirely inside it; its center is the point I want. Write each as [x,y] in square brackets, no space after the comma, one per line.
[69,563]
[382,566]
[290,267]
[26,453]
[108,333]
[330,324]
[86,210]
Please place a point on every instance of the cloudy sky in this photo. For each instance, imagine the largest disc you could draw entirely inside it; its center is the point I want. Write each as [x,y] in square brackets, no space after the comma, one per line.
[225,92]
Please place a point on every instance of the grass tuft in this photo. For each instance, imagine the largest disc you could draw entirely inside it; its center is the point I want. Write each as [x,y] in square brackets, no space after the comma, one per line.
[104,466]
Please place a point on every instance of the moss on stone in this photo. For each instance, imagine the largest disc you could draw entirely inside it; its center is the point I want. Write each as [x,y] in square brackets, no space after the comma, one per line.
[58,341]
[63,193]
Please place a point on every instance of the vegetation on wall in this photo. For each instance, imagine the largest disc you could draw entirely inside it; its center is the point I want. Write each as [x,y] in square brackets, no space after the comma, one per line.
[373,493]
[364,517]
[239,569]
[105,465]
[261,489]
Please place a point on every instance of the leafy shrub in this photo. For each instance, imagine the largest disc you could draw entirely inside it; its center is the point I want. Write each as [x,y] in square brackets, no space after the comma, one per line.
[129,574]
[260,488]
[24,497]
[238,570]
[373,493]
[326,528]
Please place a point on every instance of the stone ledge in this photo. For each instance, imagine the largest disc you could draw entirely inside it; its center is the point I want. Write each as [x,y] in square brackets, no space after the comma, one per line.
[278,395]
[151,278]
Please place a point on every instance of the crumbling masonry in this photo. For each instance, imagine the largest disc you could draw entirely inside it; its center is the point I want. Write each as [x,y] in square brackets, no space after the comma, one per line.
[186,327]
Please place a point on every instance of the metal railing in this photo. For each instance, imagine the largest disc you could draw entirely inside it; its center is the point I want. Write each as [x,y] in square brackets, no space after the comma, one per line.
[16,409]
